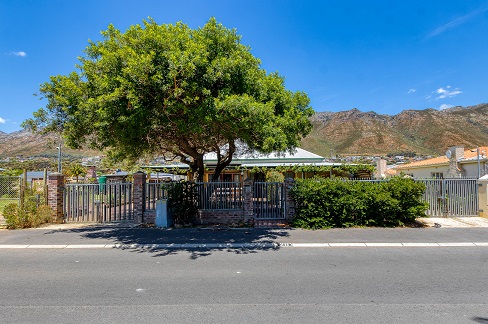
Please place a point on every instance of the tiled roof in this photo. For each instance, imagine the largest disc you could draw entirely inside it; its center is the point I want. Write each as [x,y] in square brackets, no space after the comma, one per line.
[468,155]
[471,154]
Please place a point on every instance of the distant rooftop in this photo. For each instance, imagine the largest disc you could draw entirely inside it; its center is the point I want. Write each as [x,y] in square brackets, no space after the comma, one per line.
[298,156]
[469,155]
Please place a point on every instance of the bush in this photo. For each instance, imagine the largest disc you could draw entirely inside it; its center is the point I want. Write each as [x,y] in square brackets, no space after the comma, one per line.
[182,201]
[29,216]
[327,203]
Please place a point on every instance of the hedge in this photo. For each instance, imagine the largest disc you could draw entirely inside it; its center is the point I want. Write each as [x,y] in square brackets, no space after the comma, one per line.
[327,203]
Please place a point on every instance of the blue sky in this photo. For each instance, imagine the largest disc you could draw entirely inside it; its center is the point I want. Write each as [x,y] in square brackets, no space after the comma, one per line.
[384,56]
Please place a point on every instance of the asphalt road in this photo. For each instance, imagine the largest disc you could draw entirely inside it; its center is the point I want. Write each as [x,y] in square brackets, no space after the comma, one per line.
[281,285]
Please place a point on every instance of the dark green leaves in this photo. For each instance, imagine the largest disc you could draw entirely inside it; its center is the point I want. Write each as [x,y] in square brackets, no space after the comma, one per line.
[168,88]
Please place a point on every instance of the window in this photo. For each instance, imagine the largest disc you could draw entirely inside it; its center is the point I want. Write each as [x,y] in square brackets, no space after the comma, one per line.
[437,175]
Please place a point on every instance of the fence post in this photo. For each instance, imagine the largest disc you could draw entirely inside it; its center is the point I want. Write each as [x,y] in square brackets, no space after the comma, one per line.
[247,201]
[289,203]
[55,185]
[23,187]
[45,187]
[139,198]
[483,196]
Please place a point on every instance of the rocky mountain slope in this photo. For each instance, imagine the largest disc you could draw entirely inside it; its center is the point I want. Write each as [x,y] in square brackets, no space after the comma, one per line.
[427,131]
[26,144]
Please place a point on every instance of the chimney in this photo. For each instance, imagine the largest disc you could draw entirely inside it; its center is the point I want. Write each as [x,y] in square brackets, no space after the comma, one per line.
[91,173]
[456,154]
[380,169]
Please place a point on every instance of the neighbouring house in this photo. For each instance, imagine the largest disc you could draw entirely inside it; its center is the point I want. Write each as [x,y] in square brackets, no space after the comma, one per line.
[163,176]
[253,166]
[117,176]
[456,163]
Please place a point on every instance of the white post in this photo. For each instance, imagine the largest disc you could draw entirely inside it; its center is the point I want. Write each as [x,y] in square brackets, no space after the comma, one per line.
[59,158]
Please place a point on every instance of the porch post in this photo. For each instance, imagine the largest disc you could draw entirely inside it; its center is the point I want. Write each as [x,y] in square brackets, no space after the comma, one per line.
[248,189]
[55,184]
[289,203]
[139,198]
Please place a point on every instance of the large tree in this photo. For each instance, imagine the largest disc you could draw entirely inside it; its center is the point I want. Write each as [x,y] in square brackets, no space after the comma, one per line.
[172,90]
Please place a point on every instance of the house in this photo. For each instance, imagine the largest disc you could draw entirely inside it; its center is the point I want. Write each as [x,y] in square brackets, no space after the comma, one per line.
[253,165]
[456,163]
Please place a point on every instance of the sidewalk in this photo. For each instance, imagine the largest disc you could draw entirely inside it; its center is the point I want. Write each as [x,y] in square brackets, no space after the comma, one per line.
[454,222]
[450,233]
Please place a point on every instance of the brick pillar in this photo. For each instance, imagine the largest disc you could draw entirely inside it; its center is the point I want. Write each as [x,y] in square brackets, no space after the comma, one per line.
[139,196]
[55,184]
[290,204]
[248,205]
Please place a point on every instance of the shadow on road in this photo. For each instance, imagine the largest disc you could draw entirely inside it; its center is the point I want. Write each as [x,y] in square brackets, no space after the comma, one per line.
[126,236]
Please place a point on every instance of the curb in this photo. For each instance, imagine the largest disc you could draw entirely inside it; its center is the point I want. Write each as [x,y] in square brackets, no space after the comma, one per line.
[255,246]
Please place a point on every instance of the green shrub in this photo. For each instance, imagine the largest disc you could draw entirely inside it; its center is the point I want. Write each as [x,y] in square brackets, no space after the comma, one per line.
[182,201]
[274,176]
[29,216]
[326,203]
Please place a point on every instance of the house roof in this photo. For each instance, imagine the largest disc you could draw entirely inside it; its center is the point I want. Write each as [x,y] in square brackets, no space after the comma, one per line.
[469,156]
[297,156]
[275,164]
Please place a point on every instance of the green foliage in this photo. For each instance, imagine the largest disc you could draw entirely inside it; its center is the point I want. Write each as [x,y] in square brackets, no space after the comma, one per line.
[30,215]
[327,203]
[343,170]
[274,176]
[76,170]
[168,89]
[182,201]
[11,172]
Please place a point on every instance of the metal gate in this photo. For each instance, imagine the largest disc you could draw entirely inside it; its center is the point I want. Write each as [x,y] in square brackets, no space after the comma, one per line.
[111,202]
[451,197]
[269,200]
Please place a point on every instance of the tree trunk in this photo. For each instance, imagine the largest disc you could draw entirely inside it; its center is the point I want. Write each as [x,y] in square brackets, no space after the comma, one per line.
[223,161]
[219,168]
[198,168]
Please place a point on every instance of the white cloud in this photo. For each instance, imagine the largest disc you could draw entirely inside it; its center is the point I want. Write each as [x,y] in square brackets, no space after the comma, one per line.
[456,22]
[447,92]
[411,91]
[445,106]
[21,54]
[2,121]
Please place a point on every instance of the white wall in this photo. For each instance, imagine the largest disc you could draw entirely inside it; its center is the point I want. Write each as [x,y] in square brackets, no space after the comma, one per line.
[471,170]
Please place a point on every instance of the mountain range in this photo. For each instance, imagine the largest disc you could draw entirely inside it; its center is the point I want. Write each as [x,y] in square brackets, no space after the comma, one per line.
[27,144]
[350,132]
[428,131]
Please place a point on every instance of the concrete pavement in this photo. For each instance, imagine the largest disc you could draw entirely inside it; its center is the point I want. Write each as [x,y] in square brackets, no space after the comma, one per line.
[440,232]
[454,222]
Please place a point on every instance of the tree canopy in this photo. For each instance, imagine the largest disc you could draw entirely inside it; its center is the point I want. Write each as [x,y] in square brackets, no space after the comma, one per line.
[172,90]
